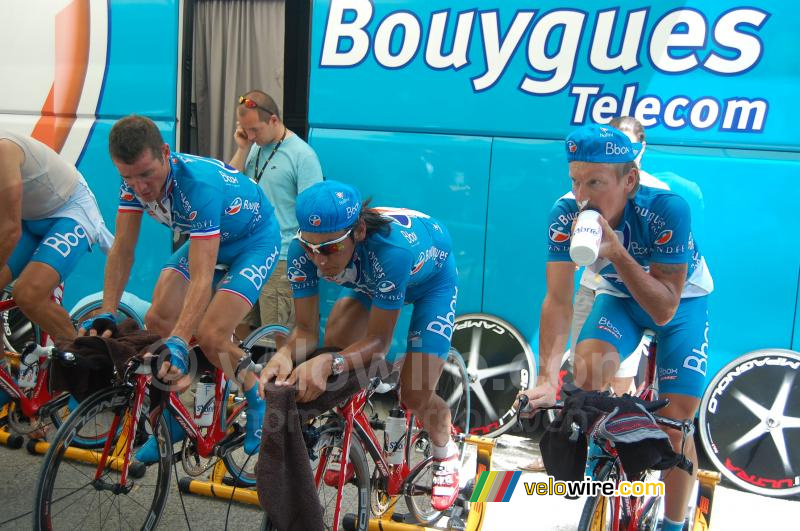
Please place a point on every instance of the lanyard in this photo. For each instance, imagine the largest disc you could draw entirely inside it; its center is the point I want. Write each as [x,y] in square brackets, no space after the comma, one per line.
[274,150]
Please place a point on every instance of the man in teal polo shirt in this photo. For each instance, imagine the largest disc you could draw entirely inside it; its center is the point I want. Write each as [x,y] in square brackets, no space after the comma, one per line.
[283,165]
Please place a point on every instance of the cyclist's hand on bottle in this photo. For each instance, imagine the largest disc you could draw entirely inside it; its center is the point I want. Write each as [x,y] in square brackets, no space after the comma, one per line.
[543,395]
[278,369]
[103,324]
[311,378]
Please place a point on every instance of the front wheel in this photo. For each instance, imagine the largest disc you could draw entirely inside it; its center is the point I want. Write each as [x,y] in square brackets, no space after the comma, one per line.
[67,490]
[598,511]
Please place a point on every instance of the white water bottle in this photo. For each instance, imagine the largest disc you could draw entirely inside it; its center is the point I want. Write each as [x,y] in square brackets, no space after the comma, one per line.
[394,435]
[204,400]
[28,369]
[585,243]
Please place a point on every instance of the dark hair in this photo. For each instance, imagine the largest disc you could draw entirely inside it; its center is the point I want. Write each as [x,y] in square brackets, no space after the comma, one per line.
[374,220]
[629,124]
[263,100]
[131,136]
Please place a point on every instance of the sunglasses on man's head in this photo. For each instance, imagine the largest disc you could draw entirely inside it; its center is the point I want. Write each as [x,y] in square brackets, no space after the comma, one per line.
[325,248]
[251,104]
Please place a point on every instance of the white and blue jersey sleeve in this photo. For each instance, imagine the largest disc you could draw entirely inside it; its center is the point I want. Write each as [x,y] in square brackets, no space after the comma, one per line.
[301,272]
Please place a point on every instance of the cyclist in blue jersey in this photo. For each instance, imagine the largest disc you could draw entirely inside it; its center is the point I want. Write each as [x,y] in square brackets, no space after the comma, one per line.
[654,276]
[211,282]
[385,258]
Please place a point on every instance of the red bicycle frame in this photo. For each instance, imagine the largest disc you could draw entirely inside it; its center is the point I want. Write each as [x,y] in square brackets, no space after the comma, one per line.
[41,394]
[354,418]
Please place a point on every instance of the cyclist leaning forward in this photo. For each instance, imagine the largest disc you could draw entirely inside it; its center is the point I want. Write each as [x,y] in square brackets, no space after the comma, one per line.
[229,222]
[384,258]
[653,276]
[49,219]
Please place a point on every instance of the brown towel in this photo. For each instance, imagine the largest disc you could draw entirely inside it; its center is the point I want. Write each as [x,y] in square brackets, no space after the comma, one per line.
[283,476]
[103,355]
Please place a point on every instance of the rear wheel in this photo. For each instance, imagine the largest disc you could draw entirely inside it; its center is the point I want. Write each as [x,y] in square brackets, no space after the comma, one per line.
[749,420]
[67,491]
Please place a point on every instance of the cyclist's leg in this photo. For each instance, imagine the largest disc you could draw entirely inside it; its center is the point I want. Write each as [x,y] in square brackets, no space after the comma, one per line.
[610,334]
[251,265]
[63,241]
[169,293]
[681,358]
[430,332]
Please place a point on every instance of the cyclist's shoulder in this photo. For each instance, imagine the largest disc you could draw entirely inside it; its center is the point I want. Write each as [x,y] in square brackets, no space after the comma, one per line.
[659,200]
[564,205]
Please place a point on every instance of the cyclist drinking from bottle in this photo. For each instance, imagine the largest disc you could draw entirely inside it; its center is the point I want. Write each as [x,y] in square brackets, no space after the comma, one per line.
[652,277]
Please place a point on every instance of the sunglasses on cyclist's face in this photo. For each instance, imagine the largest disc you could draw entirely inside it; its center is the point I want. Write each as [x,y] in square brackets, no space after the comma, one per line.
[325,248]
[250,104]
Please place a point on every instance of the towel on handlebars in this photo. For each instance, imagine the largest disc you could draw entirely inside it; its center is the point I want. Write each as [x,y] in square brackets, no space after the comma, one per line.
[284,480]
[102,359]
[626,422]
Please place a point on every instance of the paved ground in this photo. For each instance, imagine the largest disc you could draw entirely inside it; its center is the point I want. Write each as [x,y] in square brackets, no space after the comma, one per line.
[732,509]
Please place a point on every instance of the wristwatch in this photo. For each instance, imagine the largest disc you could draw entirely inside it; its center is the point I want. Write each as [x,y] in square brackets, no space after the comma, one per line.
[338,364]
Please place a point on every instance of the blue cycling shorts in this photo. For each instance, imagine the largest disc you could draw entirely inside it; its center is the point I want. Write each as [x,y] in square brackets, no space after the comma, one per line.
[57,242]
[243,266]
[433,317]
[682,351]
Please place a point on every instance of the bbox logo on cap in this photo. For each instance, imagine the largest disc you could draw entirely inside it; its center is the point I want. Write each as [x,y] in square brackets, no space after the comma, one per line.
[315,220]
[572,146]
[613,149]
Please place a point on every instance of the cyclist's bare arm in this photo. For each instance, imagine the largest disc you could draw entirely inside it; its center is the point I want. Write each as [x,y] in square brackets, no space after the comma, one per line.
[380,328]
[11,159]
[304,337]
[657,292]
[120,259]
[202,261]
[554,325]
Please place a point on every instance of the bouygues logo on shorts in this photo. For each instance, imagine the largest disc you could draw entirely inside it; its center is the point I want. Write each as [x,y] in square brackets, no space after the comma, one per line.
[315,220]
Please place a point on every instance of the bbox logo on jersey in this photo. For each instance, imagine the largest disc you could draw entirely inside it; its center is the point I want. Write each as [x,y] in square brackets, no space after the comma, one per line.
[664,237]
[63,243]
[558,233]
[296,275]
[234,207]
[386,286]
[258,274]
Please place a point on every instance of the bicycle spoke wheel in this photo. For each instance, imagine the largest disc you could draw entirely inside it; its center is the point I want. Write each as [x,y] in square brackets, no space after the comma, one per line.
[500,364]
[68,493]
[598,511]
[261,343]
[750,422]
[123,312]
[325,468]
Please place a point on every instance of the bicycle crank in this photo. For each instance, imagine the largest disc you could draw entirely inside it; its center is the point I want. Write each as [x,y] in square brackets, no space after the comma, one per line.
[193,463]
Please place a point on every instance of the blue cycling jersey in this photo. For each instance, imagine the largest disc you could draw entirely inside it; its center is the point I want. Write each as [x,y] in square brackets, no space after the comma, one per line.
[391,268]
[655,227]
[205,198]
